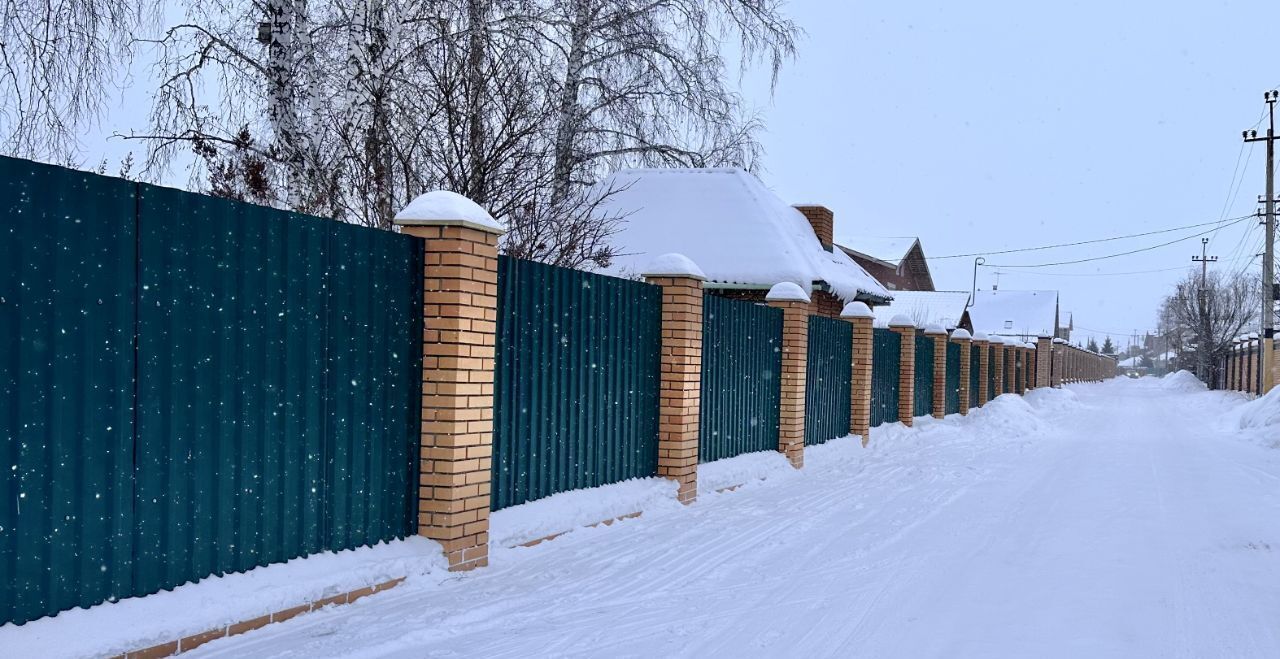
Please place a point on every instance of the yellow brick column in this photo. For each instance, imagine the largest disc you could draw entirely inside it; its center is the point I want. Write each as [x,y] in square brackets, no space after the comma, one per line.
[680,396]
[460,302]
[906,330]
[860,316]
[939,336]
[962,338]
[1022,373]
[1044,355]
[794,303]
[1059,363]
[982,344]
[998,365]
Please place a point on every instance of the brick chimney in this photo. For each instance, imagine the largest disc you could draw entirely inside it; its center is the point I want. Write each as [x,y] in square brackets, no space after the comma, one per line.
[823,222]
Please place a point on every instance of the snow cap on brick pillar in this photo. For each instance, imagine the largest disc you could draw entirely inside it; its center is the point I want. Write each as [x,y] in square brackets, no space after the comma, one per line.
[859,315]
[679,398]
[794,303]
[822,220]
[460,313]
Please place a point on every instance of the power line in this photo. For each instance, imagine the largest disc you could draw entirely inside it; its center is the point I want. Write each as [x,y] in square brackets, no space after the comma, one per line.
[1133,251]
[1089,242]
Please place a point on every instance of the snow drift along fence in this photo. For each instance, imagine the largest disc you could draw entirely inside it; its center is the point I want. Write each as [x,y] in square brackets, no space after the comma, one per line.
[576,382]
[885,361]
[194,386]
[923,404]
[828,379]
[953,378]
[741,388]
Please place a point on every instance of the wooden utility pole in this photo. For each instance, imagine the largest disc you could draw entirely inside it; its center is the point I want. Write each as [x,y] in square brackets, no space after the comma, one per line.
[1268,257]
[1202,355]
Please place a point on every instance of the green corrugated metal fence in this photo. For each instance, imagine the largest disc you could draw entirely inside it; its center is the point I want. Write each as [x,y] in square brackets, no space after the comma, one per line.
[278,384]
[1018,366]
[923,404]
[953,378]
[991,373]
[576,394]
[741,384]
[886,361]
[828,379]
[975,373]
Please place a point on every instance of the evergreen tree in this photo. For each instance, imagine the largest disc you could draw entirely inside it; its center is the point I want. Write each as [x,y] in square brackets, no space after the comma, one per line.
[1108,348]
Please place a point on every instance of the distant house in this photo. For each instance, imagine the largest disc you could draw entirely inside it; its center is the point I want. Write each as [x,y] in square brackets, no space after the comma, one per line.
[1024,315]
[945,308]
[898,263]
[742,236]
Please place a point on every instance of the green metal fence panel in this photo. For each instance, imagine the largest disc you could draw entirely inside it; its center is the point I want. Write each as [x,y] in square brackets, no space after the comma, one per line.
[278,386]
[885,364]
[828,379]
[67,308]
[953,378]
[1018,367]
[576,393]
[975,373]
[741,383]
[991,373]
[923,404]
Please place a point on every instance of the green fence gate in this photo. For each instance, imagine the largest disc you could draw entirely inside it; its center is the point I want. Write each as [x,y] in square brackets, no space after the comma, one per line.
[196,386]
[953,378]
[576,387]
[828,380]
[885,364]
[991,373]
[923,405]
[741,383]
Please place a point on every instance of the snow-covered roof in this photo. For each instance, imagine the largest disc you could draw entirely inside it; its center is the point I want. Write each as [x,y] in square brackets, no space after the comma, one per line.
[1015,313]
[890,249]
[927,307]
[727,222]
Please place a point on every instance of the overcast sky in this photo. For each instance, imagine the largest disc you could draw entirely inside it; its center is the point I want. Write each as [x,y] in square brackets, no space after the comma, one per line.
[985,126]
[979,126]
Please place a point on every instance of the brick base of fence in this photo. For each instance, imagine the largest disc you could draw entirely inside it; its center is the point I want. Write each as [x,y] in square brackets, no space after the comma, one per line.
[187,643]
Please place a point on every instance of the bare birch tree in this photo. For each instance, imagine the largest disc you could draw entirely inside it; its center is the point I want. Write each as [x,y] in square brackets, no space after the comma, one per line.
[1204,322]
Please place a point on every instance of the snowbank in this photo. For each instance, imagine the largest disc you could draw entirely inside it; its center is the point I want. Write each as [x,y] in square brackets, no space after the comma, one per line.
[138,622]
[1259,417]
[1182,381]
[566,511]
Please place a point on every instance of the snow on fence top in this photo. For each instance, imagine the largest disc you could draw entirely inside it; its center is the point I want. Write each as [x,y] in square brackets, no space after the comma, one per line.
[728,223]
[961,334]
[856,310]
[786,292]
[901,321]
[444,207]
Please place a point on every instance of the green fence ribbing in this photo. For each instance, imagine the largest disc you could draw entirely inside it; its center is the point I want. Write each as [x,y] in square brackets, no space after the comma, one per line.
[741,383]
[975,373]
[923,405]
[214,386]
[953,378]
[991,373]
[576,392]
[885,364]
[828,379]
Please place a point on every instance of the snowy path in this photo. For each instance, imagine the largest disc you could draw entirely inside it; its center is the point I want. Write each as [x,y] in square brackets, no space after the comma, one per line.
[1117,522]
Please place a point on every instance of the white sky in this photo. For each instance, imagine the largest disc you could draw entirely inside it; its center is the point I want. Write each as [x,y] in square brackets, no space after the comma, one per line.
[981,126]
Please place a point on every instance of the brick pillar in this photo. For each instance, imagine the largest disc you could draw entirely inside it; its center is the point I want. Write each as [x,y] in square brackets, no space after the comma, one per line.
[965,341]
[939,337]
[906,330]
[1031,366]
[860,316]
[983,346]
[998,365]
[1044,352]
[460,312]
[794,303]
[680,380]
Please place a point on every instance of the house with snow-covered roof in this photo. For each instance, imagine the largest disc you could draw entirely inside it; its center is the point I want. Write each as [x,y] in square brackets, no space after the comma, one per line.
[1025,315]
[742,236]
[897,262]
[948,309]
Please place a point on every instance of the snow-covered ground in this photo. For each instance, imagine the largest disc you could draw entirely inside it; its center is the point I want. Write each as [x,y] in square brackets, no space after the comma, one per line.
[1133,518]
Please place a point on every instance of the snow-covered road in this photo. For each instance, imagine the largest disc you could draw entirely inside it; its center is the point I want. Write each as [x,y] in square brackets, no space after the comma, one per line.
[1110,520]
